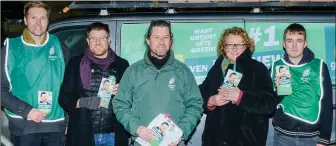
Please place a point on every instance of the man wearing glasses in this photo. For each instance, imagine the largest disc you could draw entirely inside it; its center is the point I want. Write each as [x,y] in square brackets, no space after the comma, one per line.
[90,122]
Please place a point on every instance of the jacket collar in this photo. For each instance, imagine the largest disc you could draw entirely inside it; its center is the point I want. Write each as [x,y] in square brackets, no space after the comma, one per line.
[244,60]
[308,56]
[29,39]
[169,65]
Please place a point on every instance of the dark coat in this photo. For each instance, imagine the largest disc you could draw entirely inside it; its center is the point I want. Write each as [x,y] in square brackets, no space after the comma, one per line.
[80,123]
[245,124]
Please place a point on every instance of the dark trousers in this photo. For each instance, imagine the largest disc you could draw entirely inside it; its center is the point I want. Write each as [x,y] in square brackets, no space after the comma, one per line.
[283,140]
[39,139]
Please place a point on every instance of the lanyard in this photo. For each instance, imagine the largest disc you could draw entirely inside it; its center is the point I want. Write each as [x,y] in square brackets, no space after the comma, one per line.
[234,67]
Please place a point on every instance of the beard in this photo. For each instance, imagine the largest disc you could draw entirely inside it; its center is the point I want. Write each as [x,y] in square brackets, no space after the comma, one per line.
[159,54]
[100,53]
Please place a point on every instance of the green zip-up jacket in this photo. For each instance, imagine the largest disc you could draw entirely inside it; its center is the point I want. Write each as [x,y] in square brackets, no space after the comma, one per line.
[144,92]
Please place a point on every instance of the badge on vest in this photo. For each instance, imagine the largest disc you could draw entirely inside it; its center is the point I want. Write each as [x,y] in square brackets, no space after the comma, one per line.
[232,79]
[51,53]
[305,74]
[44,101]
[283,80]
[105,89]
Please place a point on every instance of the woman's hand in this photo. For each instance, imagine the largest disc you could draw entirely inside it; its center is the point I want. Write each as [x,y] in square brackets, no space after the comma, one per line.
[229,94]
[217,100]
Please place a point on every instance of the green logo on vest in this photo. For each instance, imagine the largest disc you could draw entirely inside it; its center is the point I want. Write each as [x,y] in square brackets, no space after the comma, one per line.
[305,73]
[51,54]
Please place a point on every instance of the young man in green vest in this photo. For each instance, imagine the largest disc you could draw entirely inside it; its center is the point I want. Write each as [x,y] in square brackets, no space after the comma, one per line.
[33,65]
[304,111]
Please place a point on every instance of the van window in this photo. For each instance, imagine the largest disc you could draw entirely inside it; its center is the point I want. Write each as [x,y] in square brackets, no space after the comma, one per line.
[73,40]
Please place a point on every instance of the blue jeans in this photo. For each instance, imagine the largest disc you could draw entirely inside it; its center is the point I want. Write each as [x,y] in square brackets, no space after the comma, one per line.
[283,140]
[106,139]
[39,139]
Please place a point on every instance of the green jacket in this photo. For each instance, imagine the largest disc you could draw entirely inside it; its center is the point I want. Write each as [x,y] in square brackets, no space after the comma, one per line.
[144,92]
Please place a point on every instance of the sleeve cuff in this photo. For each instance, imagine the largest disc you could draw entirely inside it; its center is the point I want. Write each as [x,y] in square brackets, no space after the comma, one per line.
[210,106]
[24,113]
[323,141]
[239,98]
[134,128]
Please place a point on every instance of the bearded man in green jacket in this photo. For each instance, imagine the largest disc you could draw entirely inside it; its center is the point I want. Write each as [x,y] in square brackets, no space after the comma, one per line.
[158,84]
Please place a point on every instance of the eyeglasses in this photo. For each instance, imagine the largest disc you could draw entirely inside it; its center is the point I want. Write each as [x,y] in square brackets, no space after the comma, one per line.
[237,46]
[94,39]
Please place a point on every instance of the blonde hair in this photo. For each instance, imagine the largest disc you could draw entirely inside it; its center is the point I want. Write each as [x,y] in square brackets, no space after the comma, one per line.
[234,31]
[35,4]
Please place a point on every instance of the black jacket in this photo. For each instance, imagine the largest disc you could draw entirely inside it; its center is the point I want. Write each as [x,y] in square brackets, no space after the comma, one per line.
[245,124]
[80,132]
[103,119]
[292,127]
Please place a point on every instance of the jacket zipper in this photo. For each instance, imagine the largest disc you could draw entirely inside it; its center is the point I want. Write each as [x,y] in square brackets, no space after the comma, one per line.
[157,74]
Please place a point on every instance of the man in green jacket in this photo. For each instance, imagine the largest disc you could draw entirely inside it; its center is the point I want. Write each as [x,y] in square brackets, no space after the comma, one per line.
[158,84]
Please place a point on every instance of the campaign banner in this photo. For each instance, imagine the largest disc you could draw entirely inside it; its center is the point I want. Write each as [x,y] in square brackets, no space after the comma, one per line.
[196,43]
[330,51]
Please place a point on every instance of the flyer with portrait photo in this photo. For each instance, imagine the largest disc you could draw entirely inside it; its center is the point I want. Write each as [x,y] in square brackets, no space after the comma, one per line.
[105,89]
[283,78]
[166,131]
[232,79]
[44,101]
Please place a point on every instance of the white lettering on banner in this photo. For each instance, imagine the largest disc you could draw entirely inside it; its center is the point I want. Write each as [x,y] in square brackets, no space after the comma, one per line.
[256,35]
[198,68]
[332,64]
[268,59]
[203,31]
[271,37]
[203,49]
[203,43]
[203,39]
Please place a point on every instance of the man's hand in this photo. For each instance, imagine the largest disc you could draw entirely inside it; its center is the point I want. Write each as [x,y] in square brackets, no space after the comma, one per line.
[36,115]
[320,144]
[175,143]
[114,89]
[218,100]
[145,133]
[66,131]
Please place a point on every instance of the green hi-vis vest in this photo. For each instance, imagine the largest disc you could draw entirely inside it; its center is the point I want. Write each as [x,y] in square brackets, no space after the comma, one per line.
[31,69]
[304,103]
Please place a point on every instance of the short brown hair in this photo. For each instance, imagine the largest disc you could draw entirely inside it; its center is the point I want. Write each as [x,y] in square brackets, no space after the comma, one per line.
[234,31]
[35,4]
[295,28]
[159,23]
[97,26]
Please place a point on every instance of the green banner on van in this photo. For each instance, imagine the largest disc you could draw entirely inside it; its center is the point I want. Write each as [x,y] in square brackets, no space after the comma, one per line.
[195,43]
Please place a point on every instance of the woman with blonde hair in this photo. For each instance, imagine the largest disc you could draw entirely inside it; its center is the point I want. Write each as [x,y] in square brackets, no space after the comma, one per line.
[237,115]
